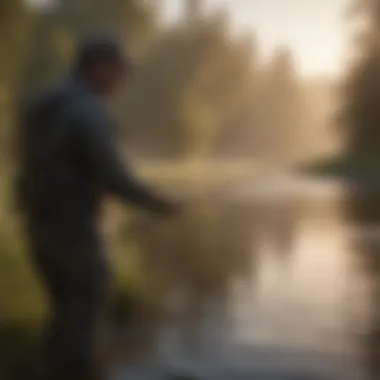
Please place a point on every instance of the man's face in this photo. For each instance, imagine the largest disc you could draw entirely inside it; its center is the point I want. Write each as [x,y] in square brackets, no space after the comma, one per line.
[107,78]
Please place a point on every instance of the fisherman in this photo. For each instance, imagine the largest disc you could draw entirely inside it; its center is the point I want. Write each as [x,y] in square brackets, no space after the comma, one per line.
[69,163]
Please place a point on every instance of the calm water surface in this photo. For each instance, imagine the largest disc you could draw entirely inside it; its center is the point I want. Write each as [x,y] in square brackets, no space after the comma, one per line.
[294,283]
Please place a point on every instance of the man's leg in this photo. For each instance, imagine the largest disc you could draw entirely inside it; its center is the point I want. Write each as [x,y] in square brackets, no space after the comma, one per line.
[70,340]
[76,281]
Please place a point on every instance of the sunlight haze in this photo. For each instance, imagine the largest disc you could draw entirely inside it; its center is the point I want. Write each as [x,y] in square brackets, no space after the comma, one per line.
[314,29]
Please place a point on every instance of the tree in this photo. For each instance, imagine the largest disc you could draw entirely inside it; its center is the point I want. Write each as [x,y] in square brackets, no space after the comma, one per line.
[132,21]
[362,90]
[58,29]
[49,54]
[15,21]
[360,114]
[194,82]
[279,107]
[361,120]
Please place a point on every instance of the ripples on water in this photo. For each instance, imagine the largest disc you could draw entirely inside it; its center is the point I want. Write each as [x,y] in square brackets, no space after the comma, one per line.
[261,278]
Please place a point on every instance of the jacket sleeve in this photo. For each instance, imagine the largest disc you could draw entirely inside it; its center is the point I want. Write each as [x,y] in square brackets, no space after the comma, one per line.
[99,147]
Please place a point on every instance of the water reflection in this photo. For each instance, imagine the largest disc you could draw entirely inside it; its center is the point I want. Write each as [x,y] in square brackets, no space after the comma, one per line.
[363,208]
[281,282]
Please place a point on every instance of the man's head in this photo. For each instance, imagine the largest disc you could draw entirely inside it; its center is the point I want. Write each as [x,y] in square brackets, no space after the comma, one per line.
[103,65]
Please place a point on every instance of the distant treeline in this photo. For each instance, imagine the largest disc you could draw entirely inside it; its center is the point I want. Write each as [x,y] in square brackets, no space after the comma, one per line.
[198,90]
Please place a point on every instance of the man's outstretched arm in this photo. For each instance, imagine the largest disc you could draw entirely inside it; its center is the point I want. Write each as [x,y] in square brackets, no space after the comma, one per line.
[102,156]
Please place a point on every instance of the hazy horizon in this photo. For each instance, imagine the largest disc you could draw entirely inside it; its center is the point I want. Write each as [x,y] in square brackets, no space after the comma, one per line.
[314,30]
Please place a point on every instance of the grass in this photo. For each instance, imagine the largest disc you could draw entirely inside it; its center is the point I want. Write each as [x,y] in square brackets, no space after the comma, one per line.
[22,308]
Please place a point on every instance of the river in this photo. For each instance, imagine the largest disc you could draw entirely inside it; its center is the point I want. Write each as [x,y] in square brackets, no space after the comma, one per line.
[293,292]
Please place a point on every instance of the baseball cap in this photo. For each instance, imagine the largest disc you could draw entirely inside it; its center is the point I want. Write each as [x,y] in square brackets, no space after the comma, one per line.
[103,49]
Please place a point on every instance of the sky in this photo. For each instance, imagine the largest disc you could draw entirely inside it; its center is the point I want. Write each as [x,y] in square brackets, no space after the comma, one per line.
[315,29]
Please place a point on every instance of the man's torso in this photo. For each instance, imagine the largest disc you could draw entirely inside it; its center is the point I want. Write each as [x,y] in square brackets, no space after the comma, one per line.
[57,187]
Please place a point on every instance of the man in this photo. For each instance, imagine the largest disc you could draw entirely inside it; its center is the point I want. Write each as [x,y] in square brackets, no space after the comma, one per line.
[68,164]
